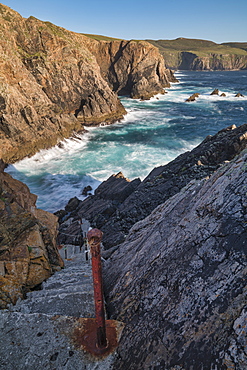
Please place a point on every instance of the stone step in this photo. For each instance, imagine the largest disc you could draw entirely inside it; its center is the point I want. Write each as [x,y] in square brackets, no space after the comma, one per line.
[68,292]
[73,304]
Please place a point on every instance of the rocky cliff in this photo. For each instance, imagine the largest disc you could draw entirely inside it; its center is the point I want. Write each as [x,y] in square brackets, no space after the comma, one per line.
[146,73]
[213,62]
[179,280]
[118,203]
[28,249]
[53,82]
[194,54]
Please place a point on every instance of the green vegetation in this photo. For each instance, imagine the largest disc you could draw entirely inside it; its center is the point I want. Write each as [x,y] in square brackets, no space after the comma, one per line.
[198,47]
[172,50]
[100,37]
[239,45]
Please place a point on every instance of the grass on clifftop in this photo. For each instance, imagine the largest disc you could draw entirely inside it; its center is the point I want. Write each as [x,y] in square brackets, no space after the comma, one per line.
[100,37]
[199,47]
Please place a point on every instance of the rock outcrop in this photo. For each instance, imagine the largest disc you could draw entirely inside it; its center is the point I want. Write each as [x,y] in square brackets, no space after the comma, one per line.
[117,215]
[28,251]
[146,73]
[52,84]
[193,97]
[179,280]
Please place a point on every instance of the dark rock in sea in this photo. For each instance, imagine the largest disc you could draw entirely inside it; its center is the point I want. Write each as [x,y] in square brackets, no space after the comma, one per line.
[215,92]
[223,94]
[239,95]
[118,204]
[178,282]
[72,204]
[192,97]
[97,208]
[86,190]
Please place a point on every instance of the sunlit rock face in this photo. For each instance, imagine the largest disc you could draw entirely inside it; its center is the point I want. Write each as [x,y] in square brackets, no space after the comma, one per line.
[53,82]
[28,250]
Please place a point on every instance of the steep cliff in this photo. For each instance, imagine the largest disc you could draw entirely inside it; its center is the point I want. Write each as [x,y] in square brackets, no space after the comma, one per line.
[145,72]
[179,280]
[51,83]
[28,250]
[194,54]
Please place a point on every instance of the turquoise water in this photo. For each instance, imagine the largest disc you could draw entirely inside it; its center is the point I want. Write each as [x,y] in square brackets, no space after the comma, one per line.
[152,133]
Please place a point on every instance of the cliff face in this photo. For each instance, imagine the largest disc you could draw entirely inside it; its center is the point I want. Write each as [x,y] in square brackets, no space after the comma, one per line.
[179,280]
[213,62]
[194,54]
[145,74]
[52,84]
[28,251]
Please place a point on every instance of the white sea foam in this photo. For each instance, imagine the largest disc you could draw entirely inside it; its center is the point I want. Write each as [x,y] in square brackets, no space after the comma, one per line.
[151,134]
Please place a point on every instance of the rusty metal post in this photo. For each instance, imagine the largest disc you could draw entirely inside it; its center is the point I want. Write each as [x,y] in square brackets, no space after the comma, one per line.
[94,238]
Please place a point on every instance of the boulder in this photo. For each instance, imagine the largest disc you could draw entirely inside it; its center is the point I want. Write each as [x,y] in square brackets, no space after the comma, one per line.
[86,190]
[192,97]
[239,95]
[215,92]
[223,94]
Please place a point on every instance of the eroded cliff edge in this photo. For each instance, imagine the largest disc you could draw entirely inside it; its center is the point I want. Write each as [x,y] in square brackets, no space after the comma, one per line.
[53,82]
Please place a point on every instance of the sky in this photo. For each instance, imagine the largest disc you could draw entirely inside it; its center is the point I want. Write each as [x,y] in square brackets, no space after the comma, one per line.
[215,20]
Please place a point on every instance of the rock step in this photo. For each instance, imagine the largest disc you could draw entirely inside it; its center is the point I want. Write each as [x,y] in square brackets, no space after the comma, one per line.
[74,304]
[68,292]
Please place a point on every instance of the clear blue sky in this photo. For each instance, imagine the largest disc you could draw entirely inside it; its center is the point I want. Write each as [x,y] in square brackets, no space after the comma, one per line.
[215,20]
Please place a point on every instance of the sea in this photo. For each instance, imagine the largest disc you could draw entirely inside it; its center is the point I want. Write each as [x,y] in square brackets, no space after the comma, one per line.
[151,134]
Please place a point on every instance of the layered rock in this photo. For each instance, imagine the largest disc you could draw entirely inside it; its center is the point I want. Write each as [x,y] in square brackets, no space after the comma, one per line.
[179,280]
[146,73]
[116,218]
[28,251]
[52,84]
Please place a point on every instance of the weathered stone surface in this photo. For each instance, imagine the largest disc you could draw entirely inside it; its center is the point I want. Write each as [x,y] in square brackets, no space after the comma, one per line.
[215,92]
[116,218]
[179,279]
[42,330]
[28,252]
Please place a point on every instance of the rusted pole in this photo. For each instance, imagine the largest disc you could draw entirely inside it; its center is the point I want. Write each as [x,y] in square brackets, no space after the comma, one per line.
[94,238]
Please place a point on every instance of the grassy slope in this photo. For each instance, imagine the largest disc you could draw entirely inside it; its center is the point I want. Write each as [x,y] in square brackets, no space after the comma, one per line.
[100,37]
[199,47]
